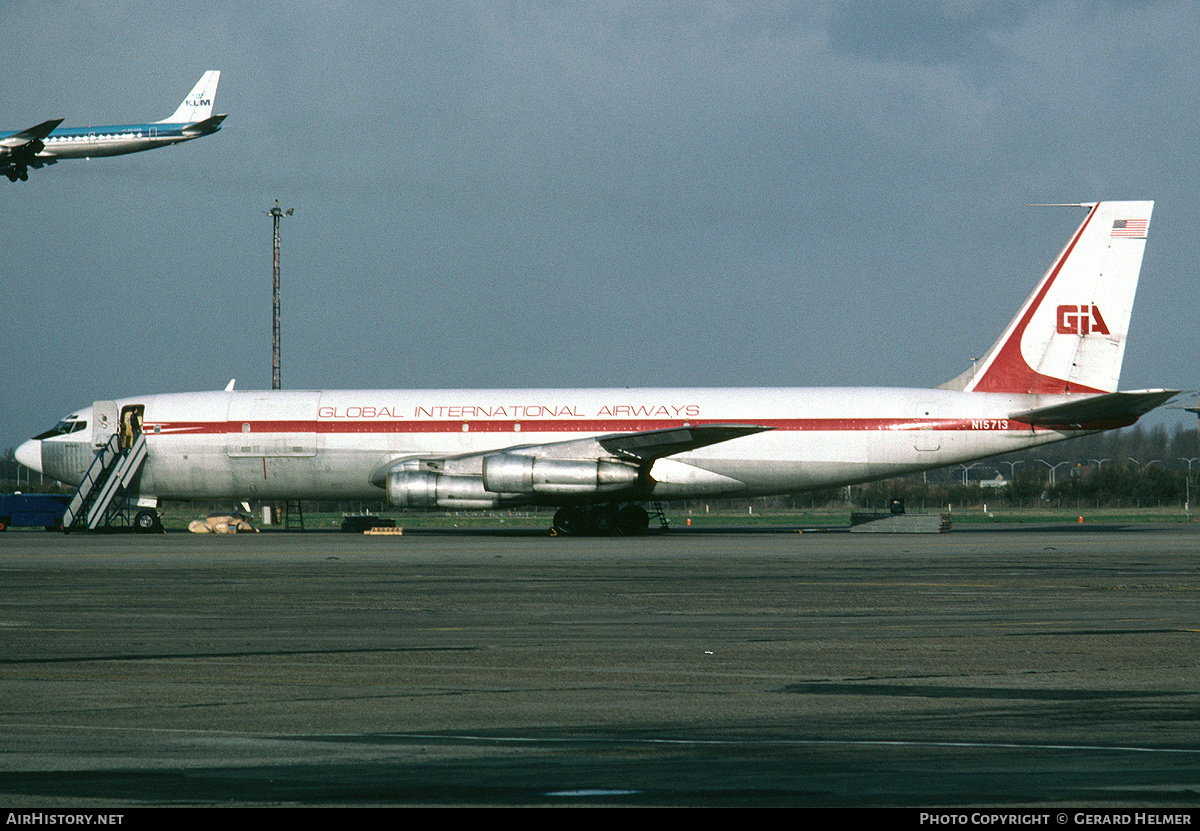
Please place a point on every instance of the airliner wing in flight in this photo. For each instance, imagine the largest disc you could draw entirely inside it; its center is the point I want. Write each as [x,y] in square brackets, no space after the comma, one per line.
[47,143]
[19,151]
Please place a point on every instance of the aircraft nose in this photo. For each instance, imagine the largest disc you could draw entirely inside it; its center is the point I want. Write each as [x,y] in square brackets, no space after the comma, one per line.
[30,454]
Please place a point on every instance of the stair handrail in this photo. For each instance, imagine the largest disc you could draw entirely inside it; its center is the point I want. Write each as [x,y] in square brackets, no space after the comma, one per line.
[104,459]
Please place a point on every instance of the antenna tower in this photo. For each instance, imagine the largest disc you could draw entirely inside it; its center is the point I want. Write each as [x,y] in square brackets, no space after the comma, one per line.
[276,213]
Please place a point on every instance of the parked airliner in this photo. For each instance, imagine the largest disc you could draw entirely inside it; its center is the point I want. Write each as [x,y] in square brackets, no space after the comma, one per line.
[597,454]
[46,143]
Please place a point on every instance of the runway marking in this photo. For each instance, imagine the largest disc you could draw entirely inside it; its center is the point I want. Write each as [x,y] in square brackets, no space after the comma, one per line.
[583,740]
[126,729]
[792,743]
[192,656]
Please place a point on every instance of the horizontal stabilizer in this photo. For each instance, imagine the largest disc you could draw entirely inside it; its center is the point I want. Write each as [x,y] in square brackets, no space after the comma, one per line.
[1123,407]
[203,128]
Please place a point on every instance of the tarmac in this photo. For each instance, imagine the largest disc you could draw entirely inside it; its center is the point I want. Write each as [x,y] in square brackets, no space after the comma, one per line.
[1029,667]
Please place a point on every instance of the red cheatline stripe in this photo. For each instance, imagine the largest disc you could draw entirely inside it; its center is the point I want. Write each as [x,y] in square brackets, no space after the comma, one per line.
[593,426]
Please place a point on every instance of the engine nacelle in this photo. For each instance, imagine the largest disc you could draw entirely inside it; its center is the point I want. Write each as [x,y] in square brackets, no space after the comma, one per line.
[430,489]
[516,473]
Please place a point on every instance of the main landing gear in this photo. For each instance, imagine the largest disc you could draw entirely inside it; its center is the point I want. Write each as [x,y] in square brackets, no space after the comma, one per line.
[602,520]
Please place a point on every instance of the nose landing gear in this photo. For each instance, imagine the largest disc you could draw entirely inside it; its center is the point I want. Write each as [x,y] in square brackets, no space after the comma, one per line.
[147,522]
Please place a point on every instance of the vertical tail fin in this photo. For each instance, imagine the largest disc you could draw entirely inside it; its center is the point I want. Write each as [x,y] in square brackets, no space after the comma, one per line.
[199,102]
[1070,334]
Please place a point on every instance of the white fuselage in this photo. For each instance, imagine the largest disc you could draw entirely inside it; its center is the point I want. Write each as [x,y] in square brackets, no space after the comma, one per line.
[116,140]
[329,444]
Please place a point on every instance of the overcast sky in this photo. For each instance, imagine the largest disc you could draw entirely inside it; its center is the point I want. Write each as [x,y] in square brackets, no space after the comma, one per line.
[582,193]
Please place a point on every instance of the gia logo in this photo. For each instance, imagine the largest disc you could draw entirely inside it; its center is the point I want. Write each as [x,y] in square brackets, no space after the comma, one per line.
[1081,320]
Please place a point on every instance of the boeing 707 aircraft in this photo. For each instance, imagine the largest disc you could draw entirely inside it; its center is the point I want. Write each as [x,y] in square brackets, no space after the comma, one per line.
[45,144]
[598,454]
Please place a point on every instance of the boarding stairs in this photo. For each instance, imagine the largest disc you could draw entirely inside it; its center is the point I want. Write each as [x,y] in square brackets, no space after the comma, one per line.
[103,495]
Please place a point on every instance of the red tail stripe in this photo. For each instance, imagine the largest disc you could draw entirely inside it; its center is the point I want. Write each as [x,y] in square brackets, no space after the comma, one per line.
[1009,371]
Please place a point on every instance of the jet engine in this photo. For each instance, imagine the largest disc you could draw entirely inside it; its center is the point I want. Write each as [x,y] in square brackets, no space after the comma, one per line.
[501,478]
[517,473]
[408,488]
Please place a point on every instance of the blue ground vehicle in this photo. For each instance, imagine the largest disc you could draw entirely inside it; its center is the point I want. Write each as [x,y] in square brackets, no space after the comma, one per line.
[42,509]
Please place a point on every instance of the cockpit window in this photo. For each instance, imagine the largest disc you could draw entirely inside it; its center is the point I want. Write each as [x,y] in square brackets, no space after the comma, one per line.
[63,428]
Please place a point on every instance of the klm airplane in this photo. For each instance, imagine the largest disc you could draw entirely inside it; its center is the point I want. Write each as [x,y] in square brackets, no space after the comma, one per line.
[45,144]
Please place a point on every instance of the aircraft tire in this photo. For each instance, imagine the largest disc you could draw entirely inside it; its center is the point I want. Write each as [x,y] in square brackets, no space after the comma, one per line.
[147,521]
[603,520]
[633,519]
[570,520]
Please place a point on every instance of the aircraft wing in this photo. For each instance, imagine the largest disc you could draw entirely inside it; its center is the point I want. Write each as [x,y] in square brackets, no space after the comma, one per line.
[635,450]
[640,448]
[1122,407]
[20,150]
[649,445]
[33,134]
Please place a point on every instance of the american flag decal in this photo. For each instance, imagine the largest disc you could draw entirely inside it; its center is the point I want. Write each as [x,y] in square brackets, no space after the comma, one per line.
[1135,228]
